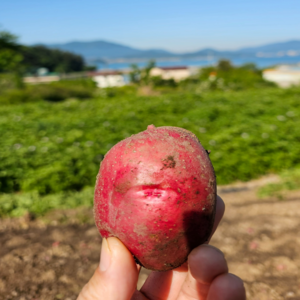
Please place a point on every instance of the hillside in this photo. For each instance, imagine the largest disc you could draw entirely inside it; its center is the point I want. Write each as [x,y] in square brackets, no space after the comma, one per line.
[108,50]
[95,50]
[275,47]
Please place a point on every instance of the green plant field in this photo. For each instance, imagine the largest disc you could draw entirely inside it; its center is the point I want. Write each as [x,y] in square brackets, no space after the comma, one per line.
[54,92]
[290,180]
[52,147]
[18,204]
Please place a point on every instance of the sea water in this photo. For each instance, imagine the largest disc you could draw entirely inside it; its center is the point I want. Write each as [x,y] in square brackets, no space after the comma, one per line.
[260,62]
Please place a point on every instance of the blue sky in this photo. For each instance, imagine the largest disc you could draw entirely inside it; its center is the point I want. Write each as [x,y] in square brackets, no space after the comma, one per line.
[173,25]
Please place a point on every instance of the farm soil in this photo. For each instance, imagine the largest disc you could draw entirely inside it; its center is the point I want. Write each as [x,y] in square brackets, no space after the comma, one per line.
[54,256]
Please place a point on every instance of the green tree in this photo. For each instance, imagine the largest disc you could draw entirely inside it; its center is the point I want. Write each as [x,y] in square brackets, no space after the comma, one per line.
[10,56]
[135,74]
[224,65]
[141,76]
[8,41]
[145,74]
[53,59]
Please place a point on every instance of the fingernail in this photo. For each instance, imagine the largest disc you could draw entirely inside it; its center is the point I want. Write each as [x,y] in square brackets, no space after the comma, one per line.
[105,256]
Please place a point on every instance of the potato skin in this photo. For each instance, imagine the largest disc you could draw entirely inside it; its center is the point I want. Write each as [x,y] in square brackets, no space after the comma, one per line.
[156,192]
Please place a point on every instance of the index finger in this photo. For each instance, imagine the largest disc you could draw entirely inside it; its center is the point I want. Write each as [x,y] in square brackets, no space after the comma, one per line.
[220,209]
[166,285]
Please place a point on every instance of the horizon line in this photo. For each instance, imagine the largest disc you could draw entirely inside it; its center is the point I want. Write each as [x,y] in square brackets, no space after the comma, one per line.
[147,49]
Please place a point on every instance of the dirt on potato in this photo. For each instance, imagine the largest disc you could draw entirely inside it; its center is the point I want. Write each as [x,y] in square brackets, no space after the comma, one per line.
[53,257]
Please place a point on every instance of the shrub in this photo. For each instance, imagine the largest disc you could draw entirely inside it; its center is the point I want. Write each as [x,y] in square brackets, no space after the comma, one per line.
[225,77]
[9,81]
[290,180]
[16,205]
[158,81]
[56,91]
[17,96]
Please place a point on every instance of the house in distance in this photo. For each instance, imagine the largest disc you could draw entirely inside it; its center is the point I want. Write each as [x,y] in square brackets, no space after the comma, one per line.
[177,73]
[108,78]
[283,75]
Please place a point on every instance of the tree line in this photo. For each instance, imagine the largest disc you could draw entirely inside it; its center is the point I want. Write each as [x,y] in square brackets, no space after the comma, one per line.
[15,57]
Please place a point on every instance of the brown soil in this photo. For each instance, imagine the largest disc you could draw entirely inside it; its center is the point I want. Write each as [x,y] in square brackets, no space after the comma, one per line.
[53,257]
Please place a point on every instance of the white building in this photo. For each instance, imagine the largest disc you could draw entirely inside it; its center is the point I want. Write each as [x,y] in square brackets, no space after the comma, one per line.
[284,76]
[108,78]
[41,79]
[176,73]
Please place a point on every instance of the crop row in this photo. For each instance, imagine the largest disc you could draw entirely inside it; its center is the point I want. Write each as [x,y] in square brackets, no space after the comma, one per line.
[54,147]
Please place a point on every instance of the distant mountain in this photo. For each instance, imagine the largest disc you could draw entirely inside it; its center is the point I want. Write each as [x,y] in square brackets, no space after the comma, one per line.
[207,52]
[108,50]
[103,50]
[275,47]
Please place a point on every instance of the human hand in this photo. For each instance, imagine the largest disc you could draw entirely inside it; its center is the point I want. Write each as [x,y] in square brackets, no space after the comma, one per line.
[204,277]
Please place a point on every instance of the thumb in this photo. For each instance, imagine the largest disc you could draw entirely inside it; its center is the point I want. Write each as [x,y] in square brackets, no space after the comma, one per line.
[116,277]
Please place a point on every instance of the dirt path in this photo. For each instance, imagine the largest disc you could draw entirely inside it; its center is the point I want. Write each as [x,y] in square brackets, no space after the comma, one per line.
[261,241]
[54,257]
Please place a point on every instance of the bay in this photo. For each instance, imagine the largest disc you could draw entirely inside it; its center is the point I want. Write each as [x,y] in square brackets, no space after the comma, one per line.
[260,62]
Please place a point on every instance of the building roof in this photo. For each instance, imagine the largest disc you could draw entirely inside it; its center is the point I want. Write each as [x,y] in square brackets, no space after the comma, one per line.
[104,73]
[173,68]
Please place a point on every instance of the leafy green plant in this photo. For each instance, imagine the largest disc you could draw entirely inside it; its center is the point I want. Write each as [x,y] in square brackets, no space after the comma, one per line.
[141,75]
[61,90]
[17,96]
[55,91]
[10,56]
[53,147]
[158,81]
[226,77]
[290,180]
[16,205]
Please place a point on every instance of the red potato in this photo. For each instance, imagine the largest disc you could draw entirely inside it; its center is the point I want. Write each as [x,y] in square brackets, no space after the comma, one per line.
[156,192]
